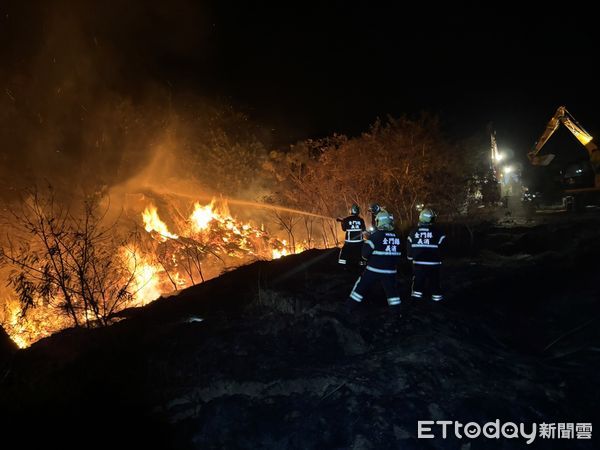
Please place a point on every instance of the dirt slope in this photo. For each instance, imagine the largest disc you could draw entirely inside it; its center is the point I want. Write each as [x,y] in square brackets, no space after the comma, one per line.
[263,357]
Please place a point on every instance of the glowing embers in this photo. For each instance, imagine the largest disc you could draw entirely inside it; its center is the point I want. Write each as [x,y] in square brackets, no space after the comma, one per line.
[282,248]
[38,323]
[277,253]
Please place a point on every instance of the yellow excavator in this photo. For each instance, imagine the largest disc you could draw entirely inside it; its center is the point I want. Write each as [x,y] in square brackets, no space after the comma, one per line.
[581,180]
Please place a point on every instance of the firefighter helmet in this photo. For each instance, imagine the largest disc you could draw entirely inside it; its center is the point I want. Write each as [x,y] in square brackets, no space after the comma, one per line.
[374,208]
[426,216]
[354,209]
[384,220]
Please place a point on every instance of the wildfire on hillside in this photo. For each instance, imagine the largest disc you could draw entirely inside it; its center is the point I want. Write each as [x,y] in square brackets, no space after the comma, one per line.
[162,260]
[207,241]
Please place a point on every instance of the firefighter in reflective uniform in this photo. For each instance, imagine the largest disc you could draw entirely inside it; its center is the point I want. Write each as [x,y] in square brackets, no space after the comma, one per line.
[354,226]
[424,243]
[374,209]
[382,252]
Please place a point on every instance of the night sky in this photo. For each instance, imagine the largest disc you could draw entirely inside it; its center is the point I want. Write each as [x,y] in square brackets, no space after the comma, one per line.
[309,69]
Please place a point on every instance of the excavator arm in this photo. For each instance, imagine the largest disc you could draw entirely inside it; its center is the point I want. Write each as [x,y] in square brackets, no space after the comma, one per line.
[582,136]
[562,116]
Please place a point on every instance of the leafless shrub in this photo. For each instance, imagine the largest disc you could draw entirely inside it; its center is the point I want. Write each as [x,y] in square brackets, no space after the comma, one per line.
[65,259]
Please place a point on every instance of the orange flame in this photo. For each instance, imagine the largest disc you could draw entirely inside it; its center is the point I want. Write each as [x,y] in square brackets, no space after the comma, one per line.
[36,324]
[276,253]
[145,282]
[202,216]
[210,241]
[153,223]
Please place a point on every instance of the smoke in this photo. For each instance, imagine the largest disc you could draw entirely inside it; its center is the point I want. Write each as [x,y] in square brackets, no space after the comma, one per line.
[93,93]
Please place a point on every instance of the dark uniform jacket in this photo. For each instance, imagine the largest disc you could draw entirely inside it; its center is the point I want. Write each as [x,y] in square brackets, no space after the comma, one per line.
[382,251]
[354,227]
[424,244]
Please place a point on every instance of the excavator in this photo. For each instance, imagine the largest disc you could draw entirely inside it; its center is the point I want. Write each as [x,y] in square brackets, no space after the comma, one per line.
[580,180]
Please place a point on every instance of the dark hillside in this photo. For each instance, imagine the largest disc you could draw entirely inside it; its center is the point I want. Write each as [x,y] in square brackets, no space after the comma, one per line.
[263,356]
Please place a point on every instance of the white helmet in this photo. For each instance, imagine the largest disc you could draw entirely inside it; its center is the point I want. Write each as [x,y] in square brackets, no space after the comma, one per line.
[384,221]
[427,216]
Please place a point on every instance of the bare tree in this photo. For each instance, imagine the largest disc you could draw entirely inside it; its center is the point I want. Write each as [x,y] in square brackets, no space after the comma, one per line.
[398,163]
[65,260]
[288,222]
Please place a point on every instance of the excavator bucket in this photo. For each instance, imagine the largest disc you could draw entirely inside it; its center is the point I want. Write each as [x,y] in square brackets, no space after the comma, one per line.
[542,160]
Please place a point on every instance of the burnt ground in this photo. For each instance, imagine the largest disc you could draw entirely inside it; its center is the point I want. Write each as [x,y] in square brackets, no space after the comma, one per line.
[275,363]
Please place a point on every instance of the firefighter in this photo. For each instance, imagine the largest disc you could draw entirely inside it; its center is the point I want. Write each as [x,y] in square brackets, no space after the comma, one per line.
[424,243]
[382,253]
[354,226]
[374,209]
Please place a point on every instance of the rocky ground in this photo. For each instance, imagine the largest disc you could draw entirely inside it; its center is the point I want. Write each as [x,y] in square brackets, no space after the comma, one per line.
[263,356]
